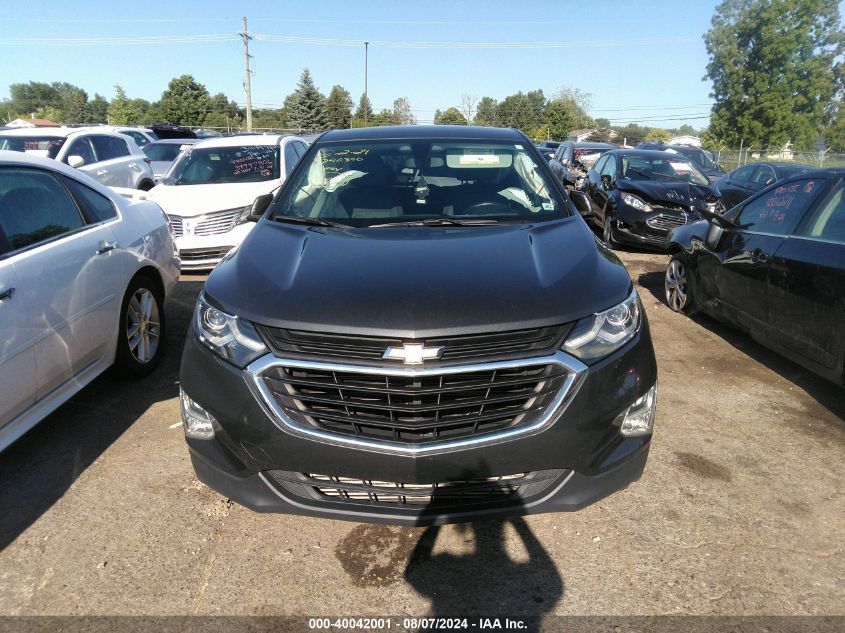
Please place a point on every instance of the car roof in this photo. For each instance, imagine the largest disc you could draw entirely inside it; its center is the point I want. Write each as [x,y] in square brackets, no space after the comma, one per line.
[243,140]
[176,141]
[593,145]
[64,131]
[648,153]
[409,132]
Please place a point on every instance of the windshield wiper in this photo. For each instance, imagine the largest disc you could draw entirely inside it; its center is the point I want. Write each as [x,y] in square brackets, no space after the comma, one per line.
[295,219]
[437,222]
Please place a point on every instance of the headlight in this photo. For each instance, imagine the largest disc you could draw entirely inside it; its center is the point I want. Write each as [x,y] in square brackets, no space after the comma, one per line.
[231,338]
[638,203]
[598,335]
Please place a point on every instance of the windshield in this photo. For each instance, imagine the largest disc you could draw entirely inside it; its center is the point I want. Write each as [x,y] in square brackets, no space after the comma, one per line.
[369,183]
[162,151]
[217,165]
[46,146]
[697,156]
[659,168]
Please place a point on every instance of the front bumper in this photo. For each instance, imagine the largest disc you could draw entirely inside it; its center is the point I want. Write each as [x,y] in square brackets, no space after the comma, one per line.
[649,229]
[204,252]
[582,455]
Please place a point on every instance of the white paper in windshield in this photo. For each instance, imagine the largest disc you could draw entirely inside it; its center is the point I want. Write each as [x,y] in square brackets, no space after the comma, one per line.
[680,168]
[479,159]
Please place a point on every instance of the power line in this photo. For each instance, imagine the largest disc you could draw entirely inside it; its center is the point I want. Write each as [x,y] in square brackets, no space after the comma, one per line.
[103,41]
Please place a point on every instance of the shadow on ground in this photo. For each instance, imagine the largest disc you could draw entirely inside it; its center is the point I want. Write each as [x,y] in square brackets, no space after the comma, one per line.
[39,468]
[829,395]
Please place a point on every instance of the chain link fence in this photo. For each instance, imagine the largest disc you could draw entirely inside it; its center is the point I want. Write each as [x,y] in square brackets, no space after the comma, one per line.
[730,159]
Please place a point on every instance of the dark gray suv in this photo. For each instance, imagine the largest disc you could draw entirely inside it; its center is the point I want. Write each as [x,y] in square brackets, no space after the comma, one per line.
[420,329]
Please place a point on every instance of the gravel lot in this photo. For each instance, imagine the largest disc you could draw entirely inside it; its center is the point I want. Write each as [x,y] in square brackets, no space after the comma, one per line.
[740,510]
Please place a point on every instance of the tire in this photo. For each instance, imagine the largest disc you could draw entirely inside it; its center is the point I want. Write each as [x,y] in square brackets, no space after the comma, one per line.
[607,233]
[139,344]
[146,185]
[678,287]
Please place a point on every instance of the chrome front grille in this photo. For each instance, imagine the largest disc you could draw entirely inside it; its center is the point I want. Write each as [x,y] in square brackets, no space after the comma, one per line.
[406,410]
[665,222]
[176,225]
[217,223]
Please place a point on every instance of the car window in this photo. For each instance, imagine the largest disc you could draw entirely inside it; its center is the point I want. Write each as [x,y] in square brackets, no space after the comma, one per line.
[162,151]
[764,176]
[609,168]
[81,147]
[46,146]
[743,174]
[828,222]
[34,207]
[110,147]
[366,183]
[95,206]
[291,158]
[140,139]
[779,210]
[600,163]
[299,148]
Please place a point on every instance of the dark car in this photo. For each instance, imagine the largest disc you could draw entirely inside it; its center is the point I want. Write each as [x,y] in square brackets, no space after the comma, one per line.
[701,158]
[637,196]
[573,160]
[419,329]
[774,266]
[168,130]
[548,148]
[736,186]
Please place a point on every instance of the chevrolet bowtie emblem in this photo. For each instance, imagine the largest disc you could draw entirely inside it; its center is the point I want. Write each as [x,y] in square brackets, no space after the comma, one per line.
[413,353]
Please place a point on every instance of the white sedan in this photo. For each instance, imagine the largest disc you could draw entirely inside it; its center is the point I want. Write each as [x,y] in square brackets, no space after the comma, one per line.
[209,191]
[84,276]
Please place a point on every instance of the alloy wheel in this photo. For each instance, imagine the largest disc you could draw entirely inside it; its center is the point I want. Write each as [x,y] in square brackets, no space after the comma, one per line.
[677,285]
[143,325]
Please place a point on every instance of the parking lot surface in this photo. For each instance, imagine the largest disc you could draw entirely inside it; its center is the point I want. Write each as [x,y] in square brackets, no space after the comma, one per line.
[740,510]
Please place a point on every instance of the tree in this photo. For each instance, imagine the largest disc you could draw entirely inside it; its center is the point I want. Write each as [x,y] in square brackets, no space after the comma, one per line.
[339,108]
[485,112]
[98,109]
[385,117]
[774,70]
[32,96]
[516,111]
[122,110]
[538,104]
[308,110]
[468,106]
[365,109]
[402,112]
[184,102]
[567,111]
[222,112]
[657,134]
[76,107]
[452,116]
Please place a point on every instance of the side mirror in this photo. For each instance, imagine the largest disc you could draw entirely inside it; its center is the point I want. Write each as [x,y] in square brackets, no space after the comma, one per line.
[75,161]
[714,236]
[581,202]
[259,206]
[607,182]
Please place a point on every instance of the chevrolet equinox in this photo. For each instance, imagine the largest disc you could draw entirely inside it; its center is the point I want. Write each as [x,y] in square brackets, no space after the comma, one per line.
[420,329]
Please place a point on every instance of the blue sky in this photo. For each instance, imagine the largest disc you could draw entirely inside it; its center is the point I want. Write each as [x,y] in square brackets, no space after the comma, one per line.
[641,61]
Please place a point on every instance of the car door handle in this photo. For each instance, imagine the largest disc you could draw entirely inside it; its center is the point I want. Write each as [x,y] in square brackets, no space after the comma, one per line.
[759,255]
[6,294]
[105,247]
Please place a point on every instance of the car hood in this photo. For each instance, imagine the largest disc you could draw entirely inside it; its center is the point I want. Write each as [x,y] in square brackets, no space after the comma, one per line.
[415,282]
[678,193]
[192,200]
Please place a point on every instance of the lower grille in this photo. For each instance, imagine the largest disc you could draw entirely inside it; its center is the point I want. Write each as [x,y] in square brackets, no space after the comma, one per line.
[482,490]
[415,408]
[202,254]
[664,222]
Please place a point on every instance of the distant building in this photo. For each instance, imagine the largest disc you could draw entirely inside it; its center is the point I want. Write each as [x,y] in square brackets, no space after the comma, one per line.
[685,139]
[580,135]
[32,123]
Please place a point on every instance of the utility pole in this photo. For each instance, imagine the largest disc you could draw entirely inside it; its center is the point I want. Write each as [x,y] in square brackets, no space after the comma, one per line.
[246,37]
[366,98]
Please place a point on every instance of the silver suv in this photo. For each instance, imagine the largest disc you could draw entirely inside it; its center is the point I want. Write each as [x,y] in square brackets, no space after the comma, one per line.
[114,160]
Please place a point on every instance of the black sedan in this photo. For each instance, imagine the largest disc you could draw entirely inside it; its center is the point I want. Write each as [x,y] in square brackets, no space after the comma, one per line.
[572,161]
[774,266]
[736,186]
[637,196]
